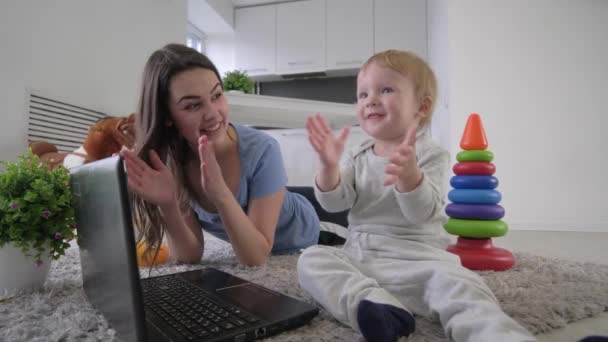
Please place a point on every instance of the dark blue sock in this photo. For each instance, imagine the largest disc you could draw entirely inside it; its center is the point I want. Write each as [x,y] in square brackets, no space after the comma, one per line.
[595,339]
[383,322]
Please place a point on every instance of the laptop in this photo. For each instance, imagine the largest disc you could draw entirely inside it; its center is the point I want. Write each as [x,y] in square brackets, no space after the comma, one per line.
[200,305]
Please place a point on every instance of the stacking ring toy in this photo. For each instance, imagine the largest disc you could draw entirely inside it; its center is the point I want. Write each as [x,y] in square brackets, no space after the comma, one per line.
[474,182]
[475,155]
[474,168]
[475,211]
[474,196]
[476,228]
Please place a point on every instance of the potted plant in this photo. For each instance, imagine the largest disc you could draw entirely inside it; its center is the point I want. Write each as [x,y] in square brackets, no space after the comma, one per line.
[36,220]
[238,80]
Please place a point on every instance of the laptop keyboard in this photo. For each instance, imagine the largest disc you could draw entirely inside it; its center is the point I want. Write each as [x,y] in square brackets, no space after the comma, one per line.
[188,309]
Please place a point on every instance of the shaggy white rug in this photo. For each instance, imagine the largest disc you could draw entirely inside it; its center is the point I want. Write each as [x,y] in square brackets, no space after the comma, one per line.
[540,293]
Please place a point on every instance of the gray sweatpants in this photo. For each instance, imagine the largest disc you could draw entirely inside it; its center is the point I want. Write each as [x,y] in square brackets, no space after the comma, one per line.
[428,282]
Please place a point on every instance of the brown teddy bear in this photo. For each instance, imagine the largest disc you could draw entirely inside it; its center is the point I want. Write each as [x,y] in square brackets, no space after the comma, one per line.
[106,137]
[47,153]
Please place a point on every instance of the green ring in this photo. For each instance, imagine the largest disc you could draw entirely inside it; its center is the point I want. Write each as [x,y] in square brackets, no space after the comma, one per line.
[475,155]
[476,228]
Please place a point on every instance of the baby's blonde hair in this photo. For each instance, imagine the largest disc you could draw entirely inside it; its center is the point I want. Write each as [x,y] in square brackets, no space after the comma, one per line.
[413,67]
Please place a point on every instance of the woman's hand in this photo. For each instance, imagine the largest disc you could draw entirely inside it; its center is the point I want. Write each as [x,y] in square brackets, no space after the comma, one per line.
[328,147]
[155,183]
[403,170]
[212,179]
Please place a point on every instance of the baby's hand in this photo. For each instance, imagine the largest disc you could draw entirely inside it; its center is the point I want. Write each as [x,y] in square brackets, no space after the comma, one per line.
[402,169]
[328,147]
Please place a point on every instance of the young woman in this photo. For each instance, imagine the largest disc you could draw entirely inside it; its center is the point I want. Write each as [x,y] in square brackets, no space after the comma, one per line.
[191,169]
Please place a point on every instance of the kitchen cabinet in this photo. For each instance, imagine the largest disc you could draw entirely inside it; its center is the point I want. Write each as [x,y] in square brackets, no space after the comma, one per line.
[349,32]
[300,37]
[255,39]
[317,36]
[400,24]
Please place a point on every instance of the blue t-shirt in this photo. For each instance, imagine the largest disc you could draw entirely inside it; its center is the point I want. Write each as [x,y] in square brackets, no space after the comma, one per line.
[262,174]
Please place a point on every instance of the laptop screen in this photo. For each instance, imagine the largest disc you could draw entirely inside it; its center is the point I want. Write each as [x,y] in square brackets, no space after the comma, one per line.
[107,245]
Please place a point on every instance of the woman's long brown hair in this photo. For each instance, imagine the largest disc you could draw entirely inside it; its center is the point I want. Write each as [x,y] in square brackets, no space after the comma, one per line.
[153,133]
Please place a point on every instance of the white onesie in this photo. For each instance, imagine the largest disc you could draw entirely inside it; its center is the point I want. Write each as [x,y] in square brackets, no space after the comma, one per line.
[395,252]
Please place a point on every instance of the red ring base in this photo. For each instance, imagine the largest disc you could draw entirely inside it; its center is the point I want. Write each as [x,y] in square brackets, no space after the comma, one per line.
[481,255]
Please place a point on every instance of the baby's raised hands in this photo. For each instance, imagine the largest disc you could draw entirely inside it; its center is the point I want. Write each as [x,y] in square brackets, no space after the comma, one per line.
[403,170]
[328,146]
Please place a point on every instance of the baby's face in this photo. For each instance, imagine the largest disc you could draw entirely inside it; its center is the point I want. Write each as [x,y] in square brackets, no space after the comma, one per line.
[386,103]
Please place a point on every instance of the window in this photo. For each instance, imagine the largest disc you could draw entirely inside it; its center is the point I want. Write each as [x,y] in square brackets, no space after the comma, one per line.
[195,38]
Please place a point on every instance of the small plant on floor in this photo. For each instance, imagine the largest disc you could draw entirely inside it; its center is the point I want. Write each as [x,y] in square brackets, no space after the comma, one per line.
[36,209]
[238,80]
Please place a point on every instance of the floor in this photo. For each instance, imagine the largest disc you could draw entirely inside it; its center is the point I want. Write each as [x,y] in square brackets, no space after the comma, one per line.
[584,247]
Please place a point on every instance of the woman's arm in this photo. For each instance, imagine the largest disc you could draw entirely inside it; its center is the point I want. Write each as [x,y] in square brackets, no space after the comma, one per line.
[183,234]
[155,184]
[252,234]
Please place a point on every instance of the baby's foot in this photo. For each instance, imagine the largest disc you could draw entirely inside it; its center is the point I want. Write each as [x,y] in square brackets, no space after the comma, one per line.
[384,322]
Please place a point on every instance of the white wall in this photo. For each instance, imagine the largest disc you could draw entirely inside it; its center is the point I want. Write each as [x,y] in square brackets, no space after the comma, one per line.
[537,73]
[216,19]
[13,74]
[213,17]
[90,53]
[220,49]
[438,59]
[225,9]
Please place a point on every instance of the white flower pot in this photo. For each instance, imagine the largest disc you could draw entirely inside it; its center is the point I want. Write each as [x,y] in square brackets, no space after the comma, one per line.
[18,271]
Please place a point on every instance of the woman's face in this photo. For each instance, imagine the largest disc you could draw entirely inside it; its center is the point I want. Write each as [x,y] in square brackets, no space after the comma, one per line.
[198,106]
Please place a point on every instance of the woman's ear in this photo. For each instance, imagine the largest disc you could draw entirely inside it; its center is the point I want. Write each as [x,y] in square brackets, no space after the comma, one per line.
[168,123]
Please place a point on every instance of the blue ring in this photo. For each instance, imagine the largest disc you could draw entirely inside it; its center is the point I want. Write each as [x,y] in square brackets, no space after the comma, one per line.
[475,211]
[474,196]
[474,182]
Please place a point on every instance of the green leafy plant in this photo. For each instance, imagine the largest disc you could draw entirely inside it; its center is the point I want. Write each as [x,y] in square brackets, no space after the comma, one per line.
[238,80]
[36,208]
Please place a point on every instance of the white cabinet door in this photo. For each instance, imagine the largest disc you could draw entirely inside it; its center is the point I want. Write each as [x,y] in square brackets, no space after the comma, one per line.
[301,37]
[400,24]
[350,33]
[255,36]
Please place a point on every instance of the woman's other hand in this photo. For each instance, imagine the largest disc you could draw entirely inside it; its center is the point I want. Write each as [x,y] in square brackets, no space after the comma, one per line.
[212,179]
[154,183]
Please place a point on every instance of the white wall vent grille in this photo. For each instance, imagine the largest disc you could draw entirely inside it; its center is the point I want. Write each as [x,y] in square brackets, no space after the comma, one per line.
[59,123]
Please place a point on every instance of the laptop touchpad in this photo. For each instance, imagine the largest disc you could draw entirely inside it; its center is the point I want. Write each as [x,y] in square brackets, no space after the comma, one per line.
[254,298]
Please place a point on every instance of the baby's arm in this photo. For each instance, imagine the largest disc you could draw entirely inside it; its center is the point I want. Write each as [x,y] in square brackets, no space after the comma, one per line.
[427,198]
[342,196]
[331,182]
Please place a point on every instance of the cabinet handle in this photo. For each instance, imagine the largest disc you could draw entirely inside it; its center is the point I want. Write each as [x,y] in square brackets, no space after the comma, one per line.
[256,70]
[299,63]
[349,62]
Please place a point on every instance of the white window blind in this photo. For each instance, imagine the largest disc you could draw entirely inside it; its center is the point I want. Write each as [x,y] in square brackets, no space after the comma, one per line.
[60,123]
